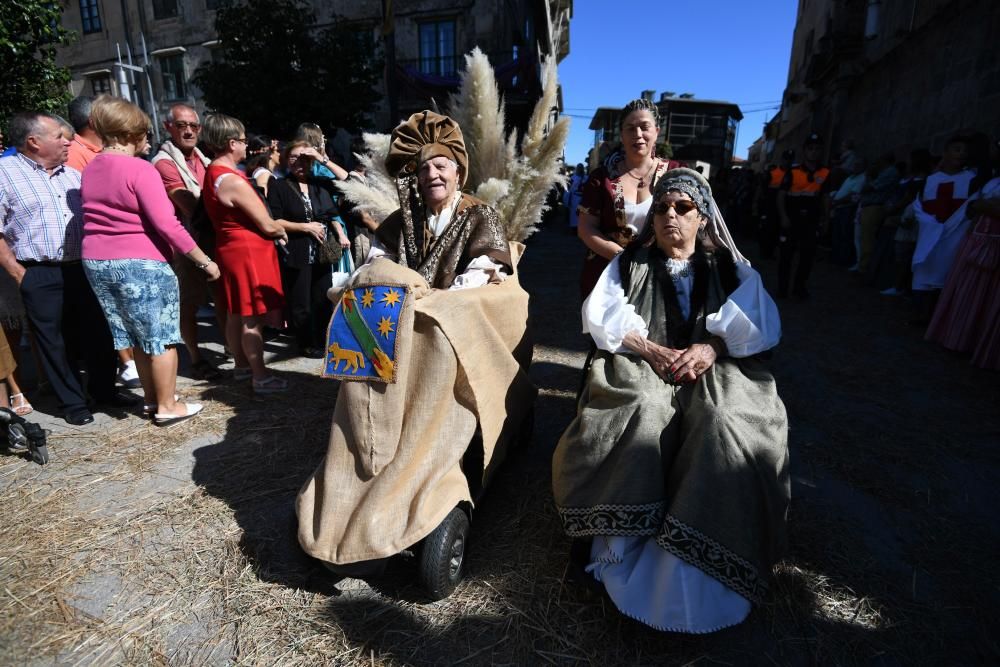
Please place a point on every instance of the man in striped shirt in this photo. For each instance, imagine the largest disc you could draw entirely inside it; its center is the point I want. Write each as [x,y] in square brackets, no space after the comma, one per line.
[41,224]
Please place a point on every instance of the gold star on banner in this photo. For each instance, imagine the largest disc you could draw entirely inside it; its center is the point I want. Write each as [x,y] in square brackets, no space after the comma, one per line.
[390,298]
[385,326]
[368,298]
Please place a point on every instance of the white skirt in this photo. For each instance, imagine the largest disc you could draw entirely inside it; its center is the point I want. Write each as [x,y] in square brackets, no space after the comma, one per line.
[659,589]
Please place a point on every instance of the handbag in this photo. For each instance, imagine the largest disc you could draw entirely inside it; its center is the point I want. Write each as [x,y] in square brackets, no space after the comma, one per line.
[330,250]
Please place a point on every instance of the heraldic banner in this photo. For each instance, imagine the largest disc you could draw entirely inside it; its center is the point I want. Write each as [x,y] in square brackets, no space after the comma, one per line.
[361,338]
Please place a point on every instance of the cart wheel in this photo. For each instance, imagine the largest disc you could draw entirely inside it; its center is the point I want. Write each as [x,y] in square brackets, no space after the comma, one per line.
[443,555]
[40,455]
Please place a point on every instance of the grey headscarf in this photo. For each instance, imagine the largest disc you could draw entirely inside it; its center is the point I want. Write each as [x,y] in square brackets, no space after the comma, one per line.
[694,185]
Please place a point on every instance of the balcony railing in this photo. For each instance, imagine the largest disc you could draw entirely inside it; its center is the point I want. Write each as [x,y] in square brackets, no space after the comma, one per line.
[449,66]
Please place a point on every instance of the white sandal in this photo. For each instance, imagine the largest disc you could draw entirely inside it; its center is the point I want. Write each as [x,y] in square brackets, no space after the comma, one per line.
[270,385]
[241,373]
[170,420]
[24,407]
[149,408]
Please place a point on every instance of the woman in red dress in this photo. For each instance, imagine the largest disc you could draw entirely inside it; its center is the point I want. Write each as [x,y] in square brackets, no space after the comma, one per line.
[245,248]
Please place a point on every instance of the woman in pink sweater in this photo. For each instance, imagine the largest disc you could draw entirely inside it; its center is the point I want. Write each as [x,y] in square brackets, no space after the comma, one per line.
[130,233]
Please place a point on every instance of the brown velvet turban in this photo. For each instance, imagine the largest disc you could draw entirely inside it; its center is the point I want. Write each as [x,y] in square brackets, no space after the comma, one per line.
[423,136]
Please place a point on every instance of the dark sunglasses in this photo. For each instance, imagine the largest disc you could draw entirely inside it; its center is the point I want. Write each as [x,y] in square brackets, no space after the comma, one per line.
[682,206]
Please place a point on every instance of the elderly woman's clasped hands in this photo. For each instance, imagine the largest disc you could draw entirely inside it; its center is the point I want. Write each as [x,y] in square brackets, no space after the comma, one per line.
[673,365]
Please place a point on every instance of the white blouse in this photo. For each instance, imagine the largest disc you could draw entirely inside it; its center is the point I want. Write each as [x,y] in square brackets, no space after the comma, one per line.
[635,215]
[748,321]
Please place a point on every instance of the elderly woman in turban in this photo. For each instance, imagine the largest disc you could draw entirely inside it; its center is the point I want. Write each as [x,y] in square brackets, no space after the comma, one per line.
[674,470]
[450,238]
[406,459]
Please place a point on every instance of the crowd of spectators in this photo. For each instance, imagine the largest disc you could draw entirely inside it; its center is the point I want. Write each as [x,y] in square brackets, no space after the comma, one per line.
[111,250]
[925,229]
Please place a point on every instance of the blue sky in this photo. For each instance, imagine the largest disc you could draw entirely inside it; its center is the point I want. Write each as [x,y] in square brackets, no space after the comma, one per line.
[734,50]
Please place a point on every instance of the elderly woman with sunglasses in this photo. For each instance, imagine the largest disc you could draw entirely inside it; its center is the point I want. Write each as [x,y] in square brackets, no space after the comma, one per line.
[673,476]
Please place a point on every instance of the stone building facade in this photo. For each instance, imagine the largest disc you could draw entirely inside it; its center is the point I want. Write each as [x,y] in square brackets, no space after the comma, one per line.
[891,76]
[423,42]
[168,39]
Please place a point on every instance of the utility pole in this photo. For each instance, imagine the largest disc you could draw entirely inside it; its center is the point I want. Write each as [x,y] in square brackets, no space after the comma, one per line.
[149,89]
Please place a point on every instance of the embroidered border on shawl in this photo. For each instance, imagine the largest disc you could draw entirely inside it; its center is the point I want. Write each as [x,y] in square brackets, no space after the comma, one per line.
[407,240]
[459,231]
[694,547]
[618,520]
[672,535]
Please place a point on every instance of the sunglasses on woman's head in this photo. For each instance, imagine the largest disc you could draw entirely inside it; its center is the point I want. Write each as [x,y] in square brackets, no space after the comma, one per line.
[682,206]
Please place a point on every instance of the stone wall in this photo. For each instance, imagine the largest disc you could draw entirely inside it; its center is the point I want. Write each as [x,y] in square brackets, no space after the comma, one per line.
[942,78]
[930,71]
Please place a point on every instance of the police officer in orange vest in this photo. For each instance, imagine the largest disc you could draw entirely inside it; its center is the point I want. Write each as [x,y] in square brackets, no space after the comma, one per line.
[767,203]
[802,210]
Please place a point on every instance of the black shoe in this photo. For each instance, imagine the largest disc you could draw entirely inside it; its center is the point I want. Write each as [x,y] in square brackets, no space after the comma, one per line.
[203,370]
[313,353]
[119,399]
[79,417]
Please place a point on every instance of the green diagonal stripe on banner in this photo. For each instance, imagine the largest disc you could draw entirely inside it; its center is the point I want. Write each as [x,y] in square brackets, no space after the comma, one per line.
[369,344]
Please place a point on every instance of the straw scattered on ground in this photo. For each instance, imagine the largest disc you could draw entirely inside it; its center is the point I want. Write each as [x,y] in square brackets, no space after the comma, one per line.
[139,545]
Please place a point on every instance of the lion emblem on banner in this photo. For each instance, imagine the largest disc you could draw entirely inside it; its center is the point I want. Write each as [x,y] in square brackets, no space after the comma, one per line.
[361,338]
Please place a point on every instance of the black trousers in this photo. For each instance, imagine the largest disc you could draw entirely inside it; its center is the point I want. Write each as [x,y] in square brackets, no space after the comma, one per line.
[769,224]
[308,308]
[69,325]
[799,240]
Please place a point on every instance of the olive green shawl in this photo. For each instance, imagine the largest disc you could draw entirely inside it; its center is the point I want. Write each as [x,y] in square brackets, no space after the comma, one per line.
[701,468]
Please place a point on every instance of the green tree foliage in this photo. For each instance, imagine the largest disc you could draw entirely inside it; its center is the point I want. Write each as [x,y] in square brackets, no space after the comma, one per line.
[30,31]
[273,69]
[664,150]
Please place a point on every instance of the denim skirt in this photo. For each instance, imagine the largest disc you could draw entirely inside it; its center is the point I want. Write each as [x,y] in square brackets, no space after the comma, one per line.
[140,300]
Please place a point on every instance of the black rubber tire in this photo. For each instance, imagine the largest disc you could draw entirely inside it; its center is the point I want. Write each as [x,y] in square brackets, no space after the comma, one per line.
[442,555]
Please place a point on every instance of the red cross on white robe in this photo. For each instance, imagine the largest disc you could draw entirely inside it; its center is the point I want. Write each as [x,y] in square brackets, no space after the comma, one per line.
[945,193]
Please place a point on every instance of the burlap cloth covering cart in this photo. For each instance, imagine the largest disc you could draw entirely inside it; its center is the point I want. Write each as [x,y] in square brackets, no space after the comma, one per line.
[702,468]
[393,468]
